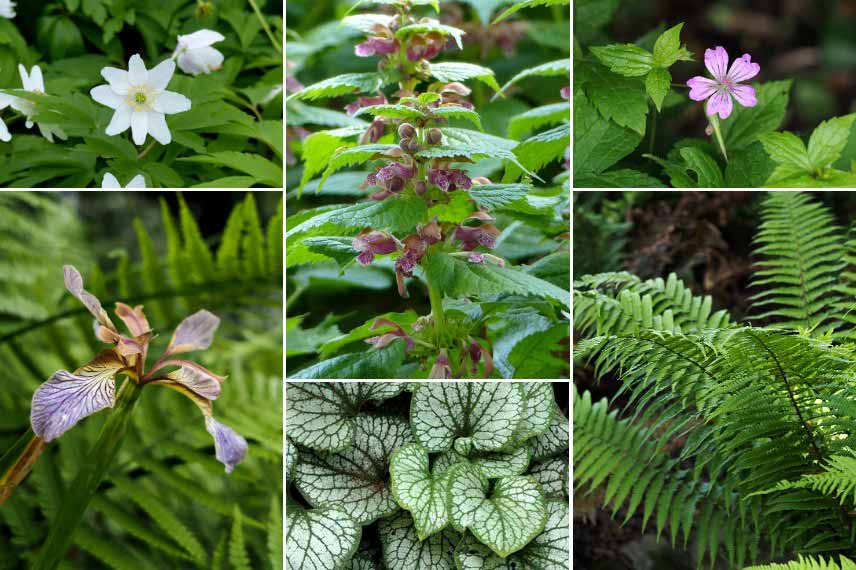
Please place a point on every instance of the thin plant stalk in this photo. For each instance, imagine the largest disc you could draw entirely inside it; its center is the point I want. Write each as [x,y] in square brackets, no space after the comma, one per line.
[88,479]
[714,122]
[265,26]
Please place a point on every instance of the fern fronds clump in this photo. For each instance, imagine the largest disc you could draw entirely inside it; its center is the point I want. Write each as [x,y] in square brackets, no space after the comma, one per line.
[734,436]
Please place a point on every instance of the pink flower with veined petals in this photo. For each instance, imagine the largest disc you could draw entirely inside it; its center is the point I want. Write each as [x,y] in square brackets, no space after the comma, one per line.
[725,83]
[376,46]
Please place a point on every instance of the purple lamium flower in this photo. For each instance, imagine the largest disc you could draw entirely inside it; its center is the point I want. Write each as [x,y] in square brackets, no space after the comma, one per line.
[725,83]
[376,46]
[425,46]
[448,179]
[68,397]
[361,102]
[386,339]
[371,242]
[391,178]
[442,368]
[473,236]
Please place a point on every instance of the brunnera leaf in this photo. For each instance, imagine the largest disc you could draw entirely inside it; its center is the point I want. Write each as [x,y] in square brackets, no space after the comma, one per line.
[403,550]
[484,415]
[493,464]
[356,478]
[419,491]
[551,474]
[538,411]
[319,539]
[291,458]
[320,416]
[547,551]
[553,441]
[504,514]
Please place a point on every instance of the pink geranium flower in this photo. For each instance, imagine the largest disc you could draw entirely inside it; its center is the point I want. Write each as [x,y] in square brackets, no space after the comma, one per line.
[725,83]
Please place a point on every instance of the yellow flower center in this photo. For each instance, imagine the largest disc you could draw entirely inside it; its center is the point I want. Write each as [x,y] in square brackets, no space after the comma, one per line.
[140,98]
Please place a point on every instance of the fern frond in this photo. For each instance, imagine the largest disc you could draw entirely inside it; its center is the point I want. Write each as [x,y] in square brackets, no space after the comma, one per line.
[810,563]
[237,548]
[801,255]
[837,480]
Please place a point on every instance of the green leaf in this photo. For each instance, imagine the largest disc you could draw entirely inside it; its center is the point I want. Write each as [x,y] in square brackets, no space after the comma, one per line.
[351,156]
[373,363]
[789,153]
[504,518]
[238,559]
[560,67]
[547,551]
[339,249]
[429,25]
[483,415]
[508,329]
[393,111]
[321,415]
[455,211]
[598,143]
[747,124]
[460,152]
[496,196]
[539,150]
[828,140]
[668,48]
[418,491]
[456,112]
[618,98]
[460,71]
[261,169]
[552,475]
[538,117]
[554,441]
[493,464]
[404,550]
[529,4]
[355,478]
[341,85]
[624,178]
[275,533]
[629,60]
[657,84]
[319,539]
[696,161]
[457,277]
[364,331]
[395,214]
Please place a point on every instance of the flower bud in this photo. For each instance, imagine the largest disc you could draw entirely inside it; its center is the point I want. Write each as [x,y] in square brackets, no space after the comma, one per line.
[435,136]
[404,143]
[406,131]
[420,187]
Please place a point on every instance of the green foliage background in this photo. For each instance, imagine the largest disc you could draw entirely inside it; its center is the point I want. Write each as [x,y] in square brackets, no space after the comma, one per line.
[166,502]
[229,138]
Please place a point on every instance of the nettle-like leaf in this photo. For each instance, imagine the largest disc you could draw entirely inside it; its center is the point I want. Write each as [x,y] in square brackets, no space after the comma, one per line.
[547,551]
[561,67]
[537,117]
[539,150]
[355,478]
[483,416]
[392,111]
[429,26]
[321,416]
[403,549]
[419,491]
[341,85]
[504,514]
[319,539]
[460,71]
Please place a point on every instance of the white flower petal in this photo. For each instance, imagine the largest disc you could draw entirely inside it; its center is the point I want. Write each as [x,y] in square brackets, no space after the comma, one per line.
[170,102]
[199,39]
[121,120]
[117,78]
[189,63]
[25,78]
[37,82]
[137,182]
[6,100]
[110,181]
[139,126]
[4,132]
[161,74]
[210,57]
[158,128]
[105,95]
[137,74]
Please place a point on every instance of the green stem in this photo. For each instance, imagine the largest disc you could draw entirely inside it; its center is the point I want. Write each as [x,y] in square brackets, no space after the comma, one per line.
[265,26]
[652,132]
[146,151]
[85,485]
[437,313]
[714,122]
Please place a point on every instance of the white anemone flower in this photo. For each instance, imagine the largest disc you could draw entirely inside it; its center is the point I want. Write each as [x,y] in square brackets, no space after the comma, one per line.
[4,131]
[34,83]
[111,181]
[195,54]
[7,9]
[140,99]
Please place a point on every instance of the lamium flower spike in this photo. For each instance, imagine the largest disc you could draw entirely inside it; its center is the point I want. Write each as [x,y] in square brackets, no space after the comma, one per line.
[68,397]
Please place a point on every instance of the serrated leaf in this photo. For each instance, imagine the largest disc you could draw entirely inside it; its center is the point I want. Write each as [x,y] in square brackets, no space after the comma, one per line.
[394,214]
[403,550]
[598,143]
[460,71]
[483,415]
[623,178]
[619,99]
[352,156]
[418,491]
[539,150]
[828,140]
[341,85]
[455,211]
[495,196]
[373,363]
[529,4]
[366,22]
[319,539]
[457,277]
[355,478]
[747,124]
[657,84]
[628,60]
[456,112]
[460,152]
[339,249]
[319,147]
[537,117]
[547,551]
[560,67]
[393,111]
[430,25]
[260,168]
[668,48]
[320,415]
[505,517]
